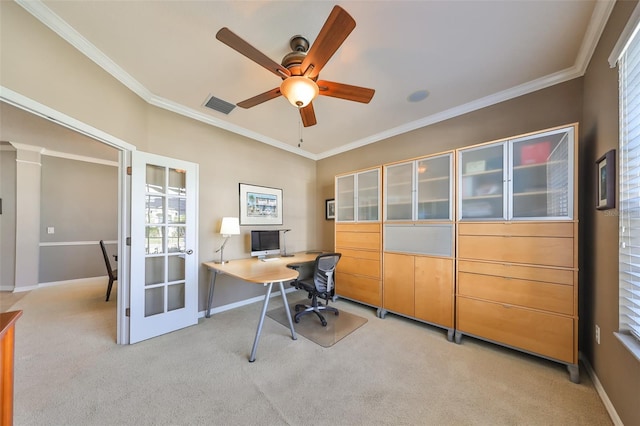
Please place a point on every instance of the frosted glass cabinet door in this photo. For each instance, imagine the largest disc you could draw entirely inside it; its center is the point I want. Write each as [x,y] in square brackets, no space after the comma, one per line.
[482,182]
[541,178]
[399,191]
[434,188]
[345,198]
[368,195]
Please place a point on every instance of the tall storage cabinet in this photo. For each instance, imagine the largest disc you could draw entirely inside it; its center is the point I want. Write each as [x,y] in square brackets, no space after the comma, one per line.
[418,264]
[358,236]
[517,244]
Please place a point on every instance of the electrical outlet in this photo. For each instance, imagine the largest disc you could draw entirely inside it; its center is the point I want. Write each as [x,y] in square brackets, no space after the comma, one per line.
[597,334]
[51,230]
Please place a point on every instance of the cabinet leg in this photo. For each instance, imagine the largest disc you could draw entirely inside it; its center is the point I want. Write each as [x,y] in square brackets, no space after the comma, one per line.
[381,313]
[458,337]
[574,373]
[450,332]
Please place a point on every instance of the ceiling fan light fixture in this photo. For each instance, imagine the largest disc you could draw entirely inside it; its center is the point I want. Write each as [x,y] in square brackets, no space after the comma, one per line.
[299,91]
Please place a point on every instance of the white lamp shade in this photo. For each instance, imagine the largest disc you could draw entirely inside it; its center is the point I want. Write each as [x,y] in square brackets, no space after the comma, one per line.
[230,226]
[300,91]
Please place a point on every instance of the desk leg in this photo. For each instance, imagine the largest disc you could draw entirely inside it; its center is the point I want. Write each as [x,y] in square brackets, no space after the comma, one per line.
[212,284]
[286,309]
[259,330]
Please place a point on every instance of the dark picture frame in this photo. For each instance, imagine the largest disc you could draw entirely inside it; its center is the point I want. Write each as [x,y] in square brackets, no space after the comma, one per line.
[606,177]
[330,209]
[260,205]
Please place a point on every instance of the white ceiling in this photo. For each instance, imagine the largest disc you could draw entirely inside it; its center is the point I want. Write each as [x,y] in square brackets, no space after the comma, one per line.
[466,54]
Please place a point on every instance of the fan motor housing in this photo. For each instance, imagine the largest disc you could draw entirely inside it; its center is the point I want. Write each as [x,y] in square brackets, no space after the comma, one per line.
[291,61]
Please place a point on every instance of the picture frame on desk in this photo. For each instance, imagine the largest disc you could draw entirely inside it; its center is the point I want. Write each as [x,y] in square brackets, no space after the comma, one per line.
[330,209]
[260,205]
[606,176]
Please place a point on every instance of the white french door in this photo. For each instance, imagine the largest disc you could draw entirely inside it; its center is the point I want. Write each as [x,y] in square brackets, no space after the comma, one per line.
[163,285]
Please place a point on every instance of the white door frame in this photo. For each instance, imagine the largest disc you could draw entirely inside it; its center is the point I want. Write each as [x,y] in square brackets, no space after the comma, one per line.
[124,191]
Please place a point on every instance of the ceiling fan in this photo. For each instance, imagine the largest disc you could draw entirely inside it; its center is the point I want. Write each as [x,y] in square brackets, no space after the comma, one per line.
[300,68]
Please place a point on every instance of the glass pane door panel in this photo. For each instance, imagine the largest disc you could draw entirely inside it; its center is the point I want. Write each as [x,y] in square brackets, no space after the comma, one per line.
[177,182]
[399,192]
[176,268]
[368,190]
[154,211]
[434,188]
[155,179]
[154,242]
[482,183]
[176,210]
[153,301]
[175,297]
[345,194]
[541,176]
[175,239]
[154,270]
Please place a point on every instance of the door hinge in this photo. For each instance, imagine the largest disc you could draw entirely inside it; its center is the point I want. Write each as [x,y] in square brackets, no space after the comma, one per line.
[128,241]
[126,312]
[129,171]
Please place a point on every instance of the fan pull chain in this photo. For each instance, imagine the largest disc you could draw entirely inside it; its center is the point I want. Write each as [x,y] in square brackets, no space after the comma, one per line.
[300,131]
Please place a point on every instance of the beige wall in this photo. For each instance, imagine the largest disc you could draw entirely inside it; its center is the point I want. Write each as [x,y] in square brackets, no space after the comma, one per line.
[616,368]
[8,216]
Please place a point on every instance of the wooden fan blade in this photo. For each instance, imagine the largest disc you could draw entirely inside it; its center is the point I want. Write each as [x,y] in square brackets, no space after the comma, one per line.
[335,30]
[345,91]
[308,115]
[236,43]
[262,97]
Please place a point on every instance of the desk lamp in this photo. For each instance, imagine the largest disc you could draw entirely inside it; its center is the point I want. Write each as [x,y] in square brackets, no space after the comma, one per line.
[284,243]
[229,226]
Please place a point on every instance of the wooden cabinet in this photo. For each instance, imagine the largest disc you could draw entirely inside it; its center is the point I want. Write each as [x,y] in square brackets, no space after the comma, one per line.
[358,236]
[418,267]
[419,287]
[517,245]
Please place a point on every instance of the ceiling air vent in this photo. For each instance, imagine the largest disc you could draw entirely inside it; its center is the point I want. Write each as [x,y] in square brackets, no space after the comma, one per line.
[219,105]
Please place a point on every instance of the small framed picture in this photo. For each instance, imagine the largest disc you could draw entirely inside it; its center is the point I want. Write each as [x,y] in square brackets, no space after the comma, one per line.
[330,209]
[606,175]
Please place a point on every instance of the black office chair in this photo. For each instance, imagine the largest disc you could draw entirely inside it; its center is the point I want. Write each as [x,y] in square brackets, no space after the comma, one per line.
[113,273]
[319,286]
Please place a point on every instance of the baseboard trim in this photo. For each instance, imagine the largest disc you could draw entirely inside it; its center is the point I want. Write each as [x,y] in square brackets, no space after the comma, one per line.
[601,392]
[241,303]
[53,283]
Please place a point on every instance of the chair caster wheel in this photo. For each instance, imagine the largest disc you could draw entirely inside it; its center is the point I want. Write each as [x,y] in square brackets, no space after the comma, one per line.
[324,323]
[296,320]
[337,313]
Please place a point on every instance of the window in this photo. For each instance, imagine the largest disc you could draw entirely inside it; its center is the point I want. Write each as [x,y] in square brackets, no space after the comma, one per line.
[629,205]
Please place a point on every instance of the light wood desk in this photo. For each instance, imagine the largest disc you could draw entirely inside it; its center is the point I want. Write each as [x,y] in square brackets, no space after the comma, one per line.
[256,271]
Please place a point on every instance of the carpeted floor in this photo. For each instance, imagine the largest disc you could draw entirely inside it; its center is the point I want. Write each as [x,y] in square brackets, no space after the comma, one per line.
[391,371]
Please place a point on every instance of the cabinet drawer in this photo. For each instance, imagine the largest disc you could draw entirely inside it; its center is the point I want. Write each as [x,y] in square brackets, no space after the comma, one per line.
[556,298]
[363,289]
[358,240]
[360,254]
[558,276]
[547,229]
[547,251]
[359,266]
[534,331]
[358,227]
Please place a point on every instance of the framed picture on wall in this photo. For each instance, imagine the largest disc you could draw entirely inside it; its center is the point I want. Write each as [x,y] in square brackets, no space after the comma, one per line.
[260,205]
[330,209]
[606,175]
